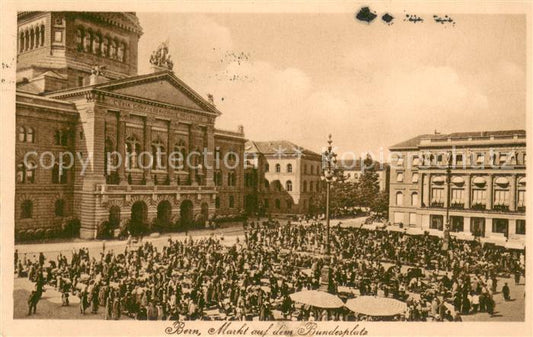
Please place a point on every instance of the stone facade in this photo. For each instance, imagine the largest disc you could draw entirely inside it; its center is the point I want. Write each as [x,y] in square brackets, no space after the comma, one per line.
[110,114]
[284,178]
[485,190]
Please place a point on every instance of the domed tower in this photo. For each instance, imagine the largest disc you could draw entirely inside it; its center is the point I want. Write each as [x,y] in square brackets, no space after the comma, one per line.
[58,50]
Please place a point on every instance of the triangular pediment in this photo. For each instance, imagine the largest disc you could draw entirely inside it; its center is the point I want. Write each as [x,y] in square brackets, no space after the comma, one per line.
[163,88]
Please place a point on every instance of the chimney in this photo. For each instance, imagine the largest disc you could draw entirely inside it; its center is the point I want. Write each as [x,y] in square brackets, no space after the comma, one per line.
[240,129]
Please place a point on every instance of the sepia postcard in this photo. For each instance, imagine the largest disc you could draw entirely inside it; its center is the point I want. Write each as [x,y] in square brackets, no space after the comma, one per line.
[265,168]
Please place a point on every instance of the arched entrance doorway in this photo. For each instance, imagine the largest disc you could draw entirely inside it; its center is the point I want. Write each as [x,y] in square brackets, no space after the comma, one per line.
[139,217]
[164,213]
[186,213]
[114,217]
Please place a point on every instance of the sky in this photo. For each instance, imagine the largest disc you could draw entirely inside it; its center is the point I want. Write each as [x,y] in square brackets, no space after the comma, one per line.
[302,76]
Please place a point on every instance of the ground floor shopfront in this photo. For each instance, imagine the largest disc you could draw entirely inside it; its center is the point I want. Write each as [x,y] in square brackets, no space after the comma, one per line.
[477,223]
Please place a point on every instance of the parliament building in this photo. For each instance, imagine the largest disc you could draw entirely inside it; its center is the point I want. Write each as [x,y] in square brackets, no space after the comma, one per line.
[80,102]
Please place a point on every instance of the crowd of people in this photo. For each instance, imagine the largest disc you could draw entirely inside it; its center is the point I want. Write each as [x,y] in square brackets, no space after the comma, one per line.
[253,278]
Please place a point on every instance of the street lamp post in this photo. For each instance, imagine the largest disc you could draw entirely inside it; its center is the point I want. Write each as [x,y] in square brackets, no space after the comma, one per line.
[330,174]
[446,233]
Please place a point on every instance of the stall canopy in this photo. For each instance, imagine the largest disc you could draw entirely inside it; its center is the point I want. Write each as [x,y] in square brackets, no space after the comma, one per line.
[436,232]
[376,306]
[513,244]
[317,299]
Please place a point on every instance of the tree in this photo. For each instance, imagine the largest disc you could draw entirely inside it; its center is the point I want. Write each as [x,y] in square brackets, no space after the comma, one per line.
[368,183]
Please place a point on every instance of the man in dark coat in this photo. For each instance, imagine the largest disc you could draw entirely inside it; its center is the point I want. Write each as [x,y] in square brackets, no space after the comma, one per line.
[506,292]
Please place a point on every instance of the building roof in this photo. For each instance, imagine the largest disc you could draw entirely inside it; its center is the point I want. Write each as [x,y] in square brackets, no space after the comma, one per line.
[415,141]
[138,80]
[278,147]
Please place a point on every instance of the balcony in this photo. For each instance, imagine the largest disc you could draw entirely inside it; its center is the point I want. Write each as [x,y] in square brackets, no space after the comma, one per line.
[479,207]
[457,205]
[437,204]
[501,208]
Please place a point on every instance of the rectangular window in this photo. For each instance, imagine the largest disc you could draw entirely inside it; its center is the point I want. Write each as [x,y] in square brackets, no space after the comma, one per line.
[501,198]
[457,223]
[521,202]
[520,227]
[412,219]
[478,197]
[58,36]
[80,81]
[398,217]
[399,177]
[436,222]
[477,226]
[500,226]
[437,195]
[457,196]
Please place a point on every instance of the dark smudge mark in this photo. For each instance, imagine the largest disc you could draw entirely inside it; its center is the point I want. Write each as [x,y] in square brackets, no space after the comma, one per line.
[365,15]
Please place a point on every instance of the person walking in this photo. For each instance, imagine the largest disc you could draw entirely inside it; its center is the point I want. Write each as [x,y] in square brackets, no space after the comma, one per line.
[33,299]
[506,292]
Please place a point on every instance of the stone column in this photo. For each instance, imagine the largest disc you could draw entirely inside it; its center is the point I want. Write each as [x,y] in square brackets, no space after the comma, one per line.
[466,223]
[147,171]
[121,144]
[468,193]
[490,189]
[188,163]
[426,196]
[210,160]
[172,125]
[512,193]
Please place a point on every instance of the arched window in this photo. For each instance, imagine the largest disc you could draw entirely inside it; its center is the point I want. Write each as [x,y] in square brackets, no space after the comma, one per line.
[27,45]
[399,199]
[288,185]
[133,148]
[37,37]
[21,42]
[232,178]
[158,155]
[32,38]
[113,49]
[218,177]
[105,47]
[42,35]
[26,209]
[97,41]
[278,168]
[29,135]
[87,37]
[59,175]
[311,185]
[289,168]
[79,39]
[22,134]
[26,174]
[414,199]
[59,207]
[304,188]
[120,51]
[181,153]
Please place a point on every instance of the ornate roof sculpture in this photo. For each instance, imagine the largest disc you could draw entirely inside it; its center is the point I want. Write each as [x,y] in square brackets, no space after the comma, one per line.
[161,57]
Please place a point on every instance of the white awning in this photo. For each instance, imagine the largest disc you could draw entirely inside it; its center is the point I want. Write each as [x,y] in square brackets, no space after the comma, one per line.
[438,180]
[458,180]
[502,181]
[480,181]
